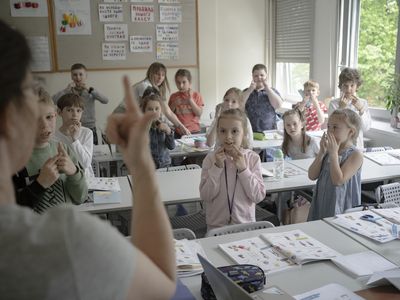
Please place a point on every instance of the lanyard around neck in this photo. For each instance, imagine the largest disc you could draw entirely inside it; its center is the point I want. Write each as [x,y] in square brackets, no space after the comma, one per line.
[230,203]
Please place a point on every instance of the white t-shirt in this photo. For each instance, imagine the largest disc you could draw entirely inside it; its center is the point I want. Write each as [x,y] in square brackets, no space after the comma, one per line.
[62,254]
[294,152]
[83,147]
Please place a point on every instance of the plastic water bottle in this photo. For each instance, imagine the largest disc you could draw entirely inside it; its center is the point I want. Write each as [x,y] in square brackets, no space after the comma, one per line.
[279,164]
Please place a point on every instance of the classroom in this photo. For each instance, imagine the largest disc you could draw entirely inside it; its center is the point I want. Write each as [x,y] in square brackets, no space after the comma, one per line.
[300,216]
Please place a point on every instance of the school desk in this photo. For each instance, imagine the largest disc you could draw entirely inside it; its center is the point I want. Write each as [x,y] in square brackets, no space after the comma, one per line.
[296,280]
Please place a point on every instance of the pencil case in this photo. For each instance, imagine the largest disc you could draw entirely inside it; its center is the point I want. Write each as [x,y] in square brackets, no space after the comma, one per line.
[250,277]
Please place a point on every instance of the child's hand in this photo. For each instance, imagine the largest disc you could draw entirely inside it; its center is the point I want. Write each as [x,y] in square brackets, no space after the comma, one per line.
[48,173]
[218,109]
[265,84]
[220,157]
[64,162]
[323,144]
[164,128]
[71,85]
[185,130]
[332,145]
[238,158]
[253,85]
[74,129]
[130,130]
[357,103]
[343,102]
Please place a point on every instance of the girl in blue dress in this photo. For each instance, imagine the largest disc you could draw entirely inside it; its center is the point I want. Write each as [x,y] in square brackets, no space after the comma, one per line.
[337,167]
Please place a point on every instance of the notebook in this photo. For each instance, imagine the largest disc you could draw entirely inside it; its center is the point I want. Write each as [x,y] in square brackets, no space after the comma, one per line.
[278,251]
[225,289]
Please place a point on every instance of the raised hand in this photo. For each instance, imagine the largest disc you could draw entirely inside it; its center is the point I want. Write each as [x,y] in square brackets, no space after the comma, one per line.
[220,157]
[74,129]
[238,158]
[64,162]
[323,144]
[343,102]
[332,145]
[49,172]
[357,103]
[253,85]
[130,130]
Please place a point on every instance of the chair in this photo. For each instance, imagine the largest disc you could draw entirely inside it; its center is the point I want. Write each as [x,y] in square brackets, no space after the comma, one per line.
[195,222]
[239,228]
[183,233]
[388,195]
[179,168]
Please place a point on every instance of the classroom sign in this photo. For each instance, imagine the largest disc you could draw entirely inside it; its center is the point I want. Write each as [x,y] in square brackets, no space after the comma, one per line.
[167,32]
[167,50]
[115,32]
[141,43]
[170,14]
[142,13]
[114,51]
[111,13]
[37,8]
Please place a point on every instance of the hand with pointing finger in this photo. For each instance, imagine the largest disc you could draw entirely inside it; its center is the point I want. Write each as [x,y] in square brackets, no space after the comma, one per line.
[64,162]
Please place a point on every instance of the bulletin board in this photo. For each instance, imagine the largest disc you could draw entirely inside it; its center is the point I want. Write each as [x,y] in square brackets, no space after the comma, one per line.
[160,30]
[88,49]
[34,22]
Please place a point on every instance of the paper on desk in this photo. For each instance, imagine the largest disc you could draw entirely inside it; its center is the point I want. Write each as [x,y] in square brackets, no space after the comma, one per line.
[106,197]
[103,184]
[266,172]
[363,263]
[187,261]
[329,291]
[383,278]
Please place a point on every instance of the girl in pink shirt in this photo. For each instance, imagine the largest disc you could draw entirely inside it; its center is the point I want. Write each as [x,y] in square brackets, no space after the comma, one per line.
[231,180]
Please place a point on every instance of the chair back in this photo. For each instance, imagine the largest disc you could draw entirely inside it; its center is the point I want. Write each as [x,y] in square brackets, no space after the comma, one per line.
[388,195]
[183,233]
[179,168]
[239,228]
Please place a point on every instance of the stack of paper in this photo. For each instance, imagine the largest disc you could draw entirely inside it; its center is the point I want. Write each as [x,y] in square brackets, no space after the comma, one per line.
[363,263]
[329,291]
[383,278]
[384,158]
[187,262]
[106,190]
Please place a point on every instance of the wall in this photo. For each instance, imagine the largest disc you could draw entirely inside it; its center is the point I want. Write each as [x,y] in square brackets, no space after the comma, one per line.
[231,40]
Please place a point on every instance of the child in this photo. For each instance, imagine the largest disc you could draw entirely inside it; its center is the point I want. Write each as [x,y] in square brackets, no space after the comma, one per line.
[349,82]
[89,94]
[71,132]
[313,109]
[296,143]
[161,135]
[231,181]
[261,101]
[53,174]
[232,99]
[186,103]
[337,167]
[156,77]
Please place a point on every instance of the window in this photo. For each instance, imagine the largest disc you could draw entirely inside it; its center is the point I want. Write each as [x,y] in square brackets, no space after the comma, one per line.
[377,48]
[293,37]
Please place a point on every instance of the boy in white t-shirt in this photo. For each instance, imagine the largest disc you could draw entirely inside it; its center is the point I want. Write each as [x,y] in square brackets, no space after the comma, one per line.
[71,132]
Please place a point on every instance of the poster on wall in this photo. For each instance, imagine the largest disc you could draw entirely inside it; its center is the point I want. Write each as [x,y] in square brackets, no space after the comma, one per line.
[37,8]
[114,51]
[39,46]
[140,43]
[167,32]
[111,13]
[167,50]
[115,32]
[72,17]
[170,14]
[142,13]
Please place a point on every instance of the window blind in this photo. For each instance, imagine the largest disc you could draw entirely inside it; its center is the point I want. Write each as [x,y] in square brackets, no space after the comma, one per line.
[294,30]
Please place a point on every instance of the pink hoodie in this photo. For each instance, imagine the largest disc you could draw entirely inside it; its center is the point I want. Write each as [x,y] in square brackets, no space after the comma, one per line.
[250,190]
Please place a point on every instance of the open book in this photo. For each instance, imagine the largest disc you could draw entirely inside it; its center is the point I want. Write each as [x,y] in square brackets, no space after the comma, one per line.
[278,251]
[187,262]
[377,227]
